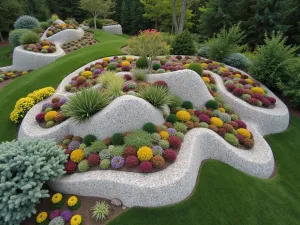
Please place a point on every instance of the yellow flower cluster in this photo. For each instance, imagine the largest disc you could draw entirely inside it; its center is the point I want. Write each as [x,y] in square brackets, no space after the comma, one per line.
[204,66]
[129,59]
[41,217]
[86,74]
[73,200]
[249,81]
[221,109]
[56,198]
[10,74]
[206,80]
[50,116]
[45,47]
[77,155]
[237,75]
[106,59]
[223,69]
[215,63]
[183,115]
[164,135]
[216,121]
[258,90]
[125,64]
[144,153]
[246,133]
[24,104]
[76,220]
[41,94]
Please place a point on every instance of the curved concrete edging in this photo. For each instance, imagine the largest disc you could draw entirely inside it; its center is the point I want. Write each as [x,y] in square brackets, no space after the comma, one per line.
[177,181]
[64,36]
[267,121]
[113,29]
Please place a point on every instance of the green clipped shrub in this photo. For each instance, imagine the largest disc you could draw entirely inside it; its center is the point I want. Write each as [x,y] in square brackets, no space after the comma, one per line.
[187,105]
[72,20]
[138,139]
[38,30]
[25,167]
[26,22]
[155,137]
[105,164]
[183,44]
[95,147]
[89,139]
[172,118]
[139,74]
[44,25]
[180,127]
[100,211]
[29,37]
[111,67]
[117,139]
[164,144]
[149,127]
[141,63]
[237,60]
[176,101]
[83,166]
[212,104]
[116,150]
[91,23]
[15,35]
[232,139]
[204,51]
[196,67]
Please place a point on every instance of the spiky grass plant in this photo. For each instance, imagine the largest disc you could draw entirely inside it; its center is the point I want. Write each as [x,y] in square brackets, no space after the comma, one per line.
[84,104]
[107,77]
[100,211]
[158,96]
[114,88]
[140,74]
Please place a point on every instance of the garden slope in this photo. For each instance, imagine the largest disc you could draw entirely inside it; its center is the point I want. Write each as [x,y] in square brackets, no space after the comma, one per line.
[226,196]
[51,75]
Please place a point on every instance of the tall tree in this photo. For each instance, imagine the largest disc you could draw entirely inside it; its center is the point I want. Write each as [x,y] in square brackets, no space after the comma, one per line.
[10,10]
[136,19]
[67,8]
[98,8]
[125,17]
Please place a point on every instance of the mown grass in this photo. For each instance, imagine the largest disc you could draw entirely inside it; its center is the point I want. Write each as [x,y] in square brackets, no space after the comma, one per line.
[4,60]
[226,196]
[52,75]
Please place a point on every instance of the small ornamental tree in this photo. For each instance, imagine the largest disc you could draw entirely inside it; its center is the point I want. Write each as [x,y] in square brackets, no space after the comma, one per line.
[148,43]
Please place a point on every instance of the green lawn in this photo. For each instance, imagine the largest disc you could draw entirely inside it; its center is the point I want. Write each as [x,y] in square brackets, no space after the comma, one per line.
[226,196]
[4,51]
[51,75]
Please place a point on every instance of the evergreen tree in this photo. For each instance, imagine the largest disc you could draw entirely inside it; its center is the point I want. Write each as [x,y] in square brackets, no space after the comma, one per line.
[136,21]
[125,17]
[37,8]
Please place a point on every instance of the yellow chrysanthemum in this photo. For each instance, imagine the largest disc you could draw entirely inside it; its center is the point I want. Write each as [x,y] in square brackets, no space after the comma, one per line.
[77,155]
[41,217]
[206,80]
[73,200]
[10,74]
[183,115]
[56,198]
[86,74]
[249,81]
[204,66]
[223,69]
[106,59]
[45,47]
[246,133]
[164,135]
[24,72]
[216,121]
[76,220]
[258,90]
[215,63]
[237,75]
[21,108]
[129,59]
[125,64]
[50,115]
[222,109]
[185,66]
[144,153]
[41,94]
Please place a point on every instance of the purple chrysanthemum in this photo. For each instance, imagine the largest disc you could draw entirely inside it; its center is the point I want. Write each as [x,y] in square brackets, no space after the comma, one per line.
[66,215]
[157,150]
[168,64]
[97,71]
[54,213]
[73,145]
[47,105]
[172,131]
[117,162]
[63,101]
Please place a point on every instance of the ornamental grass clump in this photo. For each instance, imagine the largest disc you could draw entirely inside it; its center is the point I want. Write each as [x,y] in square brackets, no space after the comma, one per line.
[100,211]
[25,167]
[84,104]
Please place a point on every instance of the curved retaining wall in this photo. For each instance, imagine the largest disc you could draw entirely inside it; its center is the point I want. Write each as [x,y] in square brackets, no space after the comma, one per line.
[26,60]
[113,29]
[64,36]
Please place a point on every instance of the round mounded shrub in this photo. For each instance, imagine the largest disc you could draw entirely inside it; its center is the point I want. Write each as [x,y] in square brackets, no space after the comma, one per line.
[241,124]
[129,150]
[93,159]
[91,23]
[89,139]
[175,142]
[70,167]
[83,166]
[131,161]
[212,104]
[117,139]
[232,139]
[15,35]
[141,63]
[248,143]
[183,115]
[187,105]
[237,60]
[146,167]
[170,155]
[246,133]
[172,118]
[164,144]
[161,83]
[183,44]
[158,161]
[26,22]
[156,66]
[138,139]
[29,37]
[149,127]
[216,121]
[105,164]
[196,67]
[180,127]
[77,155]
[204,51]
[144,153]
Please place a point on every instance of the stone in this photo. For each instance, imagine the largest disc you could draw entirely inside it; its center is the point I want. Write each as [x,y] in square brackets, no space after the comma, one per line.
[116,202]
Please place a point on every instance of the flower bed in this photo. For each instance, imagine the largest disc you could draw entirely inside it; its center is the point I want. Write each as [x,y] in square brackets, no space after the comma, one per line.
[56,28]
[50,114]
[86,40]
[11,74]
[42,47]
